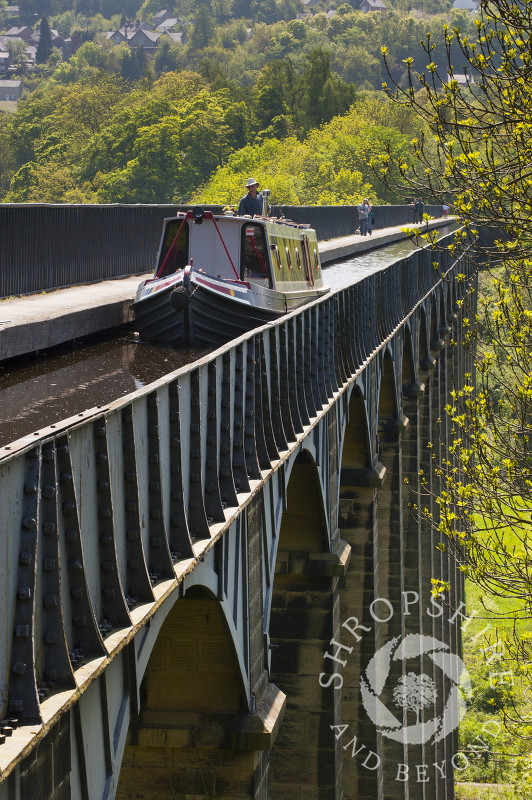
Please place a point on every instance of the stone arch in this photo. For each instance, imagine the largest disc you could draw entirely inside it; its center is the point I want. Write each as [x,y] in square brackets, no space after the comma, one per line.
[434,334]
[408,365]
[444,328]
[448,292]
[361,475]
[184,739]
[454,295]
[388,548]
[387,399]
[302,762]
[359,469]
[304,482]
[442,298]
[451,302]
[356,446]
[426,360]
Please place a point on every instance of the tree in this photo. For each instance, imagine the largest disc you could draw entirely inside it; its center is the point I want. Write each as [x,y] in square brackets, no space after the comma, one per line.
[478,157]
[167,56]
[204,30]
[17,53]
[325,94]
[3,14]
[129,65]
[142,60]
[7,156]
[44,48]
[330,166]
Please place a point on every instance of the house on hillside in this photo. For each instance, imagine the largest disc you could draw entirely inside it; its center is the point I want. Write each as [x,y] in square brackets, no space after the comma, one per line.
[31,54]
[57,40]
[136,35]
[4,59]
[12,11]
[115,36]
[176,37]
[10,90]
[168,24]
[372,5]
[161,16]
[145,39]
[70,46]
[23,32]
[30,50]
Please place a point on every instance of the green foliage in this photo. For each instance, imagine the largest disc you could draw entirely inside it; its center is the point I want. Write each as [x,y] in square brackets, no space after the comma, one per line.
[44,47]
[3,14]
[330,166]
[17,53]
[482,135]
[264,76]
[203,32]
[7,155]
[495,732]
[167,57]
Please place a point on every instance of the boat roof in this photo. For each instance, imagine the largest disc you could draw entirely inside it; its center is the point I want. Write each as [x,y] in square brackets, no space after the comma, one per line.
[256,219]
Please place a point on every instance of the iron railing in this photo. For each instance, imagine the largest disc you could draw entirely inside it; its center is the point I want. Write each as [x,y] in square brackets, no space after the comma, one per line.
[45,247]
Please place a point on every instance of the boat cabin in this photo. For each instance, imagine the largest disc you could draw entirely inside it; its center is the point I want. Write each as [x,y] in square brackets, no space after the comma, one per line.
[277,255]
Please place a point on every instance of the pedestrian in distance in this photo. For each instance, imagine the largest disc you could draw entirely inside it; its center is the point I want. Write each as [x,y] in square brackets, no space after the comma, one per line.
[369,209]
[252,202]
[363,216]
[418,210]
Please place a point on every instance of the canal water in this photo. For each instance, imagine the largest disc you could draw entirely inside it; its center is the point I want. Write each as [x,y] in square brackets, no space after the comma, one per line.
[40,390]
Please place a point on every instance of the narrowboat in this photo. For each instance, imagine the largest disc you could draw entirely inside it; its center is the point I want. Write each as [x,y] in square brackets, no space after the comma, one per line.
[219,275]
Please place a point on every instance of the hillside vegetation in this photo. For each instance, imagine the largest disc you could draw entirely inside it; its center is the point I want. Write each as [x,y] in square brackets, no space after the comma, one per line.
[252,91]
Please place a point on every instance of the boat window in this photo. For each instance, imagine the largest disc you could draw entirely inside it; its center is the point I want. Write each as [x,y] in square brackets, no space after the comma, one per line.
[288,259]
[298,258]
[254,257]
[275,249]
[307,263]
[174,252]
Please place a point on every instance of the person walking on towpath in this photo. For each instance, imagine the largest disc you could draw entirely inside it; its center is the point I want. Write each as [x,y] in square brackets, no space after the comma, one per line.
[251,203]
[418,210]
[364,212]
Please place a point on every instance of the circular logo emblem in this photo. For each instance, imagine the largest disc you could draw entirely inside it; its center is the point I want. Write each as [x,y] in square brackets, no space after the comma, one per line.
[413,692]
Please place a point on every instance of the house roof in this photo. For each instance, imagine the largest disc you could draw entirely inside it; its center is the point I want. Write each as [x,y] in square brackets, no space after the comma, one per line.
[168,23]
[373,5]
[152,35]
[175,37]
[10,84]
[20,32]
[4,40]
[163,13]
